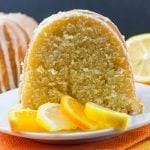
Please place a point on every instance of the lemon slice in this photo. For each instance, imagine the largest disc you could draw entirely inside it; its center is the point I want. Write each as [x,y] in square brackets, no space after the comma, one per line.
[50,117]
[139,50]
[74,111]
[24,120]
[105,117]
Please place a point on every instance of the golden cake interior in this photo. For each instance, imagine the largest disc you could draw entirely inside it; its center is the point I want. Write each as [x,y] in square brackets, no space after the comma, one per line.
[80,57]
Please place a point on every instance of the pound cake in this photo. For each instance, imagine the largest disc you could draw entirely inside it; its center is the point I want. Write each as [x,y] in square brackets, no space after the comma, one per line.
[81,54]
[15,33]
[26,22]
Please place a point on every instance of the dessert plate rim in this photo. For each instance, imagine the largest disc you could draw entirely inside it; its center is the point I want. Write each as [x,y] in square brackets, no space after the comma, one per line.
[9,99]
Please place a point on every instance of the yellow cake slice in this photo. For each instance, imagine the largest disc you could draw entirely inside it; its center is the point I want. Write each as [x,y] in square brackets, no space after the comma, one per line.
[81,54]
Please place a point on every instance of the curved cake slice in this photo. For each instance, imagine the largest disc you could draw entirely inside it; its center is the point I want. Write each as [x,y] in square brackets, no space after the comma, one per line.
[81,54]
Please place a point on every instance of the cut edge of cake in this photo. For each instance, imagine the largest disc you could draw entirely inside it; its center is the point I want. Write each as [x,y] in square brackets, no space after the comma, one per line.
[136,105]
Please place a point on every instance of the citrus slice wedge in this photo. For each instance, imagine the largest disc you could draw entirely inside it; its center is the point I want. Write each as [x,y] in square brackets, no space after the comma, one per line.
[74,111]
[139,50]
[50,117]
[105,117]
[24,120]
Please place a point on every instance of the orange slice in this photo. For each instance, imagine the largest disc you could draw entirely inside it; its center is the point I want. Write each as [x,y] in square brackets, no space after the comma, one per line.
[24,120]
[74,111]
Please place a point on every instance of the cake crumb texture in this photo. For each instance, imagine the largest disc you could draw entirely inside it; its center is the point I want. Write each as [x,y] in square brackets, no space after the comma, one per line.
[78,56]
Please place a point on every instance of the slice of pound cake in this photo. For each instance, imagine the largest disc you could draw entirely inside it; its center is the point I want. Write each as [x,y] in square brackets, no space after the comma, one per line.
[82,54]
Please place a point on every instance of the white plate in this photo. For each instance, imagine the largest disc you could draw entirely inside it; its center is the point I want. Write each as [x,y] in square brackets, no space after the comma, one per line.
[10,99]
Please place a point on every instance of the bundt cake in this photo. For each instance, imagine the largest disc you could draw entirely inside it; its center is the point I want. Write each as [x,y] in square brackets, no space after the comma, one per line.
[26,22]
[15,34]
[82,54]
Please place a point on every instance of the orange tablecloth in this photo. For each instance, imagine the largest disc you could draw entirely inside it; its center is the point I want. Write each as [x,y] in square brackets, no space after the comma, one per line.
[144,145]
[128,140]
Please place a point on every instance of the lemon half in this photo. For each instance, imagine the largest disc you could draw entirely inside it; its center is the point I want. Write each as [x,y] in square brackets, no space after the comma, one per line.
[139,51]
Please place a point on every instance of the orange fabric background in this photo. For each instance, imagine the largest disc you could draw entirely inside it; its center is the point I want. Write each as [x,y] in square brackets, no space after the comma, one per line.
[144,145]
[122,142]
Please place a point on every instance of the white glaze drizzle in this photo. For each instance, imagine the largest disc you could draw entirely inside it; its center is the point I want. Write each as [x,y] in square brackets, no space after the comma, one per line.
[4,47]
[23,43]
[60,15]
[26,22]
[3,89]
[21,36]
[16,28]
[15,48]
